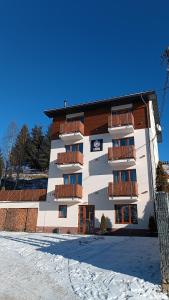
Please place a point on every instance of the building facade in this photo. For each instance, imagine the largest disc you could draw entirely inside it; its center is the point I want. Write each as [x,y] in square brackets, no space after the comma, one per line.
[103,161]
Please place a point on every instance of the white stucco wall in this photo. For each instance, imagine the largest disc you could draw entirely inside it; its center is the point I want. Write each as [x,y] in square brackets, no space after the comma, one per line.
[19,204]
[96,174]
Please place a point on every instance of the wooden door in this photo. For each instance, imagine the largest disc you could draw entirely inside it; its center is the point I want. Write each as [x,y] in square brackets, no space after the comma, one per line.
[86,219]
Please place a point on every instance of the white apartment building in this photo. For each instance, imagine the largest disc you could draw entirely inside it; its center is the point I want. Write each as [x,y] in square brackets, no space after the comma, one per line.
[103,161]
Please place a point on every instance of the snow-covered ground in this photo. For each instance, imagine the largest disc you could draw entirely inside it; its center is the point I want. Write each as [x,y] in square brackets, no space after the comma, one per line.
[54,266]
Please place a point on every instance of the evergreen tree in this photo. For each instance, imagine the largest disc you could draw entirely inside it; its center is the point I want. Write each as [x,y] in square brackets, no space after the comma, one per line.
[18,156]
[34,146]
[1,166]
[103,225]
[161,179]
[44,155]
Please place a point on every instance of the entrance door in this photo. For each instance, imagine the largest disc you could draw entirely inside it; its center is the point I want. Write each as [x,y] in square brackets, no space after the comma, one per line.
[86,219]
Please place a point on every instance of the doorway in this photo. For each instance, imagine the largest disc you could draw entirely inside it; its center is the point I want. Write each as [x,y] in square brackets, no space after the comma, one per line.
[86,219]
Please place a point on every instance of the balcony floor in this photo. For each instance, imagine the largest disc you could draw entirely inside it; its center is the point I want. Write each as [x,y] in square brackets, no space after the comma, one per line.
[120,131]
[71,137]
[70,167]
[68,200]
[123,199]
[122,163]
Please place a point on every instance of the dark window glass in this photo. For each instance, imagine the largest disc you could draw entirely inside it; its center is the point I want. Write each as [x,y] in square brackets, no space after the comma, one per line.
[126,213]
[72,179]
[80,179]
[133,175]
[115,143]
[66,180]
[118,213]
[116,176]
[123,142]
[62,211]
[67,148]
[74,148]
[131,141]
[134,217]
[124,176]
[81,147]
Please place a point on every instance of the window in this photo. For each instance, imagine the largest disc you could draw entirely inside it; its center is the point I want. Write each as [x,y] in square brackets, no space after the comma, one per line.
[133,175]
[78,118]
[62,211]
[73,178]
[74,148]
[126,214]
[115,143]
[123,142]
[96,145]
[124,175]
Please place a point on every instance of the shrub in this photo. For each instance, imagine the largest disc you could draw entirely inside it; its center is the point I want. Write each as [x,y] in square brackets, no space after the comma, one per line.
[103,224]
[152,224]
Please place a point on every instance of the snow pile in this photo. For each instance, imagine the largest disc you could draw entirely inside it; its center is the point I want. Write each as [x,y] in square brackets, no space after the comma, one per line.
[53,266]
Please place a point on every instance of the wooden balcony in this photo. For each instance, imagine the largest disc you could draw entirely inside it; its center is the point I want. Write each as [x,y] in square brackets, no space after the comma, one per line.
[68,192]
[71,161]
[122,190]
[71,131]
[121,123]
[123,156]
[23,195]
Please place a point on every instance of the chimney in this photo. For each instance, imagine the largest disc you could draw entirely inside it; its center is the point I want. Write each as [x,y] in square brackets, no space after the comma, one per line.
[65,103]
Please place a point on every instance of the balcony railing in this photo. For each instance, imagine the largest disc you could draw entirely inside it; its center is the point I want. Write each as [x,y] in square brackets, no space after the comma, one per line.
[68,191]
[121,152]
[120,119]
[70,158]
[72,127]
[126,189]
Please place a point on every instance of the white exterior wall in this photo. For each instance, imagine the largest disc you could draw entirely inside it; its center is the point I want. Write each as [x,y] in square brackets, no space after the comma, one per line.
[19,204]
[153,143]
[96,174]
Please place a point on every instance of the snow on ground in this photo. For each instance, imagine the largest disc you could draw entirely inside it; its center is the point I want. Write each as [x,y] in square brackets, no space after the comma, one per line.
[70,267]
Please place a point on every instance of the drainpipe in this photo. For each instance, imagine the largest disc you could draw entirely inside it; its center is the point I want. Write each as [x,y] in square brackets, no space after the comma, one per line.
[150,155]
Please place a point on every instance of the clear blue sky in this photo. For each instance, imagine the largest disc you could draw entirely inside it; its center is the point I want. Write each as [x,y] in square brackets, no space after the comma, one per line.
[79,50]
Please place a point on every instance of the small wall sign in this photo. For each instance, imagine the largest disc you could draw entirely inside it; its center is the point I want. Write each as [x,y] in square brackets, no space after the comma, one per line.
[97,145]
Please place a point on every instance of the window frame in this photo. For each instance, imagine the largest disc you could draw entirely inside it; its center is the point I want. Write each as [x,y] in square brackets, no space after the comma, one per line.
[119,175]
[69,176]
[77,146]
[118,142]
[61,206]
[130,206]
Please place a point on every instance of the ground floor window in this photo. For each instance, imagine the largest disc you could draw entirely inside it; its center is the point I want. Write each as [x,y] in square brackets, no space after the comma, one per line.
[126,214]
[62,211]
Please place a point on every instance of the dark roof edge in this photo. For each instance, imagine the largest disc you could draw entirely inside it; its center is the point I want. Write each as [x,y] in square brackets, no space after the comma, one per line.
[50,113]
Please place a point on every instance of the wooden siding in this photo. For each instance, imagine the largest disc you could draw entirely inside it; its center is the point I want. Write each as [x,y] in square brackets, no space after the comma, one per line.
[121,152]
[23,195]
[70,158]
[96,119]
[123,189]
[68,191]
[18,219]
